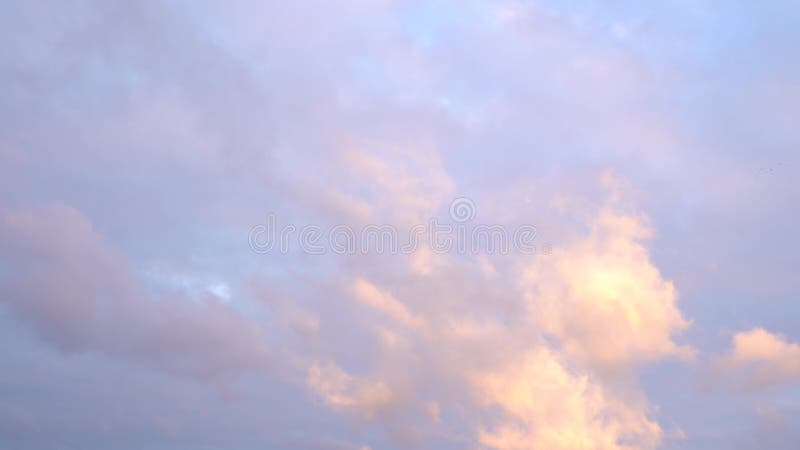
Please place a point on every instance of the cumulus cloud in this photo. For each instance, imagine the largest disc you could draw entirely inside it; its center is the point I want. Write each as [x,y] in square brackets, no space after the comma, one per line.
[546,364]
[546,406]
[603,299]
[759,358]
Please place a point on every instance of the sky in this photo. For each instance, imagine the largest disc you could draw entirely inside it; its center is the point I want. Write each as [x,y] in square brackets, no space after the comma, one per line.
[187,190]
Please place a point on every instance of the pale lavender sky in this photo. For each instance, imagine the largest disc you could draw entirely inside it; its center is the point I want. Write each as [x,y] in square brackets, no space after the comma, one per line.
[652,145]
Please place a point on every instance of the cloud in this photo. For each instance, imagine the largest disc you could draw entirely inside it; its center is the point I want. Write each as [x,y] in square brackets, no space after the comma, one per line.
[342,391]
[760,359]
[81,294]
[548,362]
[154,134]
[546,406]
[602,298]
[370,295]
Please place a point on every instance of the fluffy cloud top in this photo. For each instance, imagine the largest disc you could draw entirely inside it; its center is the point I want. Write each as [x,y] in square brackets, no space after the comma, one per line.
[604,300]
[759,358]
[597,310]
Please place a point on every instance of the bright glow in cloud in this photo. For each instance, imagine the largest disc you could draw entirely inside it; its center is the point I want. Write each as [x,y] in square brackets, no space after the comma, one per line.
[603,299]
[595,305]
[545,406]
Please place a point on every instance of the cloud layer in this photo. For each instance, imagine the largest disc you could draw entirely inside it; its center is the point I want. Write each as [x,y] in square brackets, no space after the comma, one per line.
[651,147]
